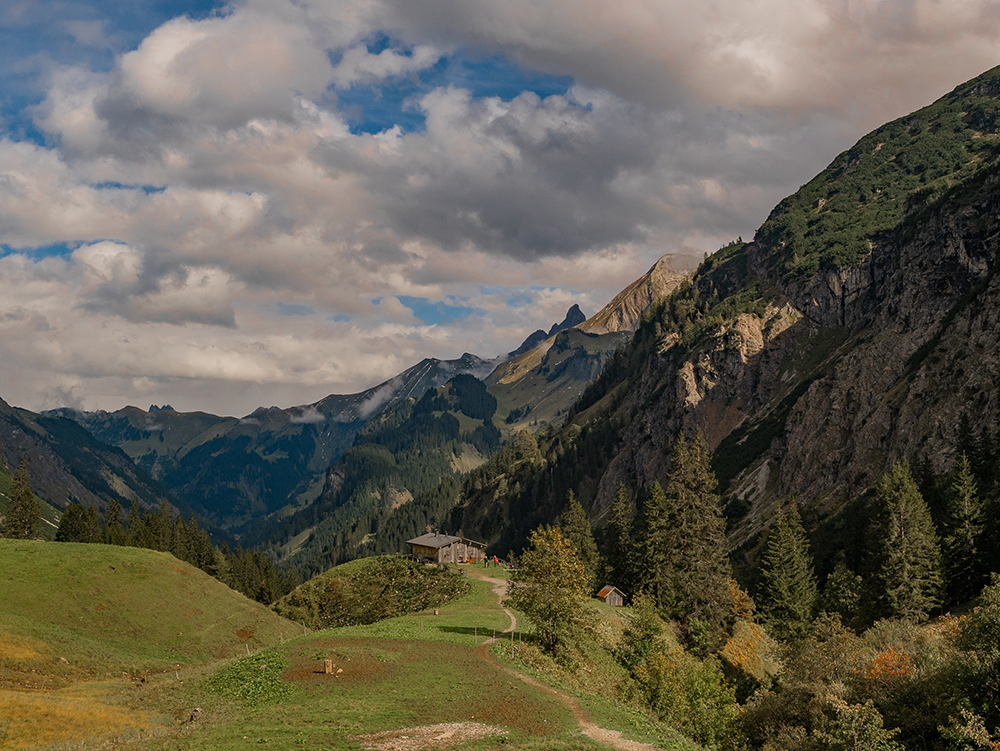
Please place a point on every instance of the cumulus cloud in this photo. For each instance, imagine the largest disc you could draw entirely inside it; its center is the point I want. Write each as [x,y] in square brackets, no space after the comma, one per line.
[212,171]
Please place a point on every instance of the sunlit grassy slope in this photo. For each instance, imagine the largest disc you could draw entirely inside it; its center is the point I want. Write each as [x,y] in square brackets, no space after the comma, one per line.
[72,610]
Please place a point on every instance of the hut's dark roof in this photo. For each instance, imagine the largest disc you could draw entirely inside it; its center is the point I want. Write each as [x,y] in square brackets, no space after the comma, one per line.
[608,590]
[433,540]
[436,540]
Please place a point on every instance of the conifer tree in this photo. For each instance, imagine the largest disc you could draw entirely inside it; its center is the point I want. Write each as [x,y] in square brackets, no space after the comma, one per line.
[179,539]
[23,514]
[139,532]
[963,528]
[576,528]
[697,569]
[619,557]
[651,574]
[904,551]
[789,582]
[161,525]
[114,531]
[843,593]
[91,525]
[79,523]
[983,464]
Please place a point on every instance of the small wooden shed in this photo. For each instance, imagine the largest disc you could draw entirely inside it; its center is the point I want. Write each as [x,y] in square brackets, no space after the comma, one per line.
[612,596]
[437,548]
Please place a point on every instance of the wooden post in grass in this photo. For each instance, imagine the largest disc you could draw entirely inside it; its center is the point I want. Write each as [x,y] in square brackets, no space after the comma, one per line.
[329,666]
[475,636]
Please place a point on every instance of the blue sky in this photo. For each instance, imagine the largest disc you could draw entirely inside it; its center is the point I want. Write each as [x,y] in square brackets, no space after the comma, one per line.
[219,206]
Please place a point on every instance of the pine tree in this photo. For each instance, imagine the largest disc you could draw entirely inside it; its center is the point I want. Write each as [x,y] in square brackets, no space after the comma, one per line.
[963,528]
[651,574]
[619,557]
[843,593]
[79,523]
[139,532]
[904,551]
[697,569]
[789,582]
[576,528]
[23,514]
[114,530]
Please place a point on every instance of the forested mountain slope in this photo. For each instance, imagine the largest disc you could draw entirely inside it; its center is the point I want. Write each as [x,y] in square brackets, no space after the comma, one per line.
[857,329]
[232,470]
[398,478]
[67,464]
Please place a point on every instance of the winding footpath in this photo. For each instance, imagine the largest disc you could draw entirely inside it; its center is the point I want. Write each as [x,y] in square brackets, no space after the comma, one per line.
[604,736]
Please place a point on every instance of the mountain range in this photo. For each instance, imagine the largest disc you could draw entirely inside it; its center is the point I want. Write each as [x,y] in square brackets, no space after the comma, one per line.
[858,328]
[234,471]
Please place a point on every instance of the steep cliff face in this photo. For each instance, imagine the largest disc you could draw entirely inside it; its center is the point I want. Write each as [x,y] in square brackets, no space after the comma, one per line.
[855,330]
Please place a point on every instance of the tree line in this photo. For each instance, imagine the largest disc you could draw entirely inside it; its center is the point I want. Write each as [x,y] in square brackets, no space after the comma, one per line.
[251,573]
[866,658]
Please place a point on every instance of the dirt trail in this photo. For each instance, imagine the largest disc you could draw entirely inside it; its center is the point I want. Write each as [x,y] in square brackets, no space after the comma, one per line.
[607,737]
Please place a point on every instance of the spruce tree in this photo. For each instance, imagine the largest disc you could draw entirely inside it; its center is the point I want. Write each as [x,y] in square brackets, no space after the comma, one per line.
[651,574]
[91,525]
[904,552]
[697,569]
[619,557]
[843,594]
[23,514]
[789,591]
[963,528]
[114,530]
[179,539]
[139,532]
[576,528]
[78,523]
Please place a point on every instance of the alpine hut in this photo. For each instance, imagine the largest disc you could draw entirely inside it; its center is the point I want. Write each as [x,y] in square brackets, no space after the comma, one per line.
[435,547]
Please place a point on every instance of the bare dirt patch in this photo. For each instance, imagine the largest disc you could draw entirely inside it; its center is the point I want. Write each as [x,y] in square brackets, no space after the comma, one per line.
[354,663]
[430,736]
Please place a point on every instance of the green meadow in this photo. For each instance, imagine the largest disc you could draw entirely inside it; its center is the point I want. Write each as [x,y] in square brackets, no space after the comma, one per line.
[111,647]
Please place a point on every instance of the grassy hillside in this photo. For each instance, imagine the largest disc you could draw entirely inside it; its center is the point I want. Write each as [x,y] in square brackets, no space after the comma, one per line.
[82,611]
[87,630]
[82,625]
[423,680]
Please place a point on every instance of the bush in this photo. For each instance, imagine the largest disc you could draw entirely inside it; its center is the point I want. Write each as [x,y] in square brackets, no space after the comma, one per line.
[691,696]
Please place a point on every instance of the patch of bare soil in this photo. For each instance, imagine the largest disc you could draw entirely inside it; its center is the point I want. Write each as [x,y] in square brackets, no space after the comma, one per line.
[430,736]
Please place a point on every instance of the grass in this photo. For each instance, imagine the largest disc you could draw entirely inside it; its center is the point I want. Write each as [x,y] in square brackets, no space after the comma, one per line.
[107,609]
[412,671]
[85,628]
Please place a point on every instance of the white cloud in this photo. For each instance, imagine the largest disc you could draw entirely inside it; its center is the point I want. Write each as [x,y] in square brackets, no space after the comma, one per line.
[358,65]
[212,173]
